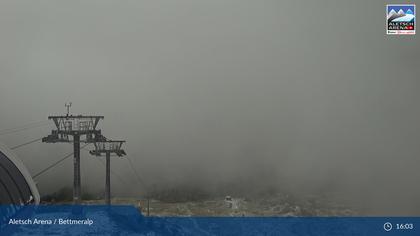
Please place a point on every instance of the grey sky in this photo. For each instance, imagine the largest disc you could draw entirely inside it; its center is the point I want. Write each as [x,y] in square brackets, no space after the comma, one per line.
[305,95]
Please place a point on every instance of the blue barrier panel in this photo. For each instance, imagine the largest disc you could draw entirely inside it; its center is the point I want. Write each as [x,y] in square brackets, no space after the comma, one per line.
[127,220]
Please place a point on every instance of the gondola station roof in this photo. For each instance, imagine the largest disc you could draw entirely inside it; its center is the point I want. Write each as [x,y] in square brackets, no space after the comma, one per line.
[16,184]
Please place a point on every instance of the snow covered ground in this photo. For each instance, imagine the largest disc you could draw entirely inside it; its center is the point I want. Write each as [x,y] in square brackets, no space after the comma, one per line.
[274,205]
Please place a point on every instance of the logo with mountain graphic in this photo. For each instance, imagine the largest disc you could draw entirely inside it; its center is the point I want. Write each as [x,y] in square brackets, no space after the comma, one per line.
[401,19]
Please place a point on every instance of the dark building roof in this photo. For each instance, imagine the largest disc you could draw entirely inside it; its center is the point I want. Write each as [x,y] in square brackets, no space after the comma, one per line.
[16,184]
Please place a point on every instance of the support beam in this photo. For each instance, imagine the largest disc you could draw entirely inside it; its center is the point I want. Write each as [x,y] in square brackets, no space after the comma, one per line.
[108,179]
[76,163]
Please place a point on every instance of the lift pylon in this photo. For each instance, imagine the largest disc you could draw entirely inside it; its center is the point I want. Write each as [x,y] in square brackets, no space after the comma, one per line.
[108,147]
[70,129]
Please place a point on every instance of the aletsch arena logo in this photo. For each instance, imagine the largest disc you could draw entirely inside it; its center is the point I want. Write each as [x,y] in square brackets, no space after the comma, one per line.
[401,19]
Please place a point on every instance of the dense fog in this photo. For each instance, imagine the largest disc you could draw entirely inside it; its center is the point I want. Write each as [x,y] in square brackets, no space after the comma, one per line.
[227,97]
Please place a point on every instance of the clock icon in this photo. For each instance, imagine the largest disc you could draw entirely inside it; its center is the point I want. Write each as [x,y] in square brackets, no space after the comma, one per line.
[387,226]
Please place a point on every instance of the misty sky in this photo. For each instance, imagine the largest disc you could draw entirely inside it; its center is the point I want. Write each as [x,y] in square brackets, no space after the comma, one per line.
[309,96]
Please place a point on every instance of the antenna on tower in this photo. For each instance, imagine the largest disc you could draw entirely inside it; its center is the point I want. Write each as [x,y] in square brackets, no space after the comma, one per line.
[68,105]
